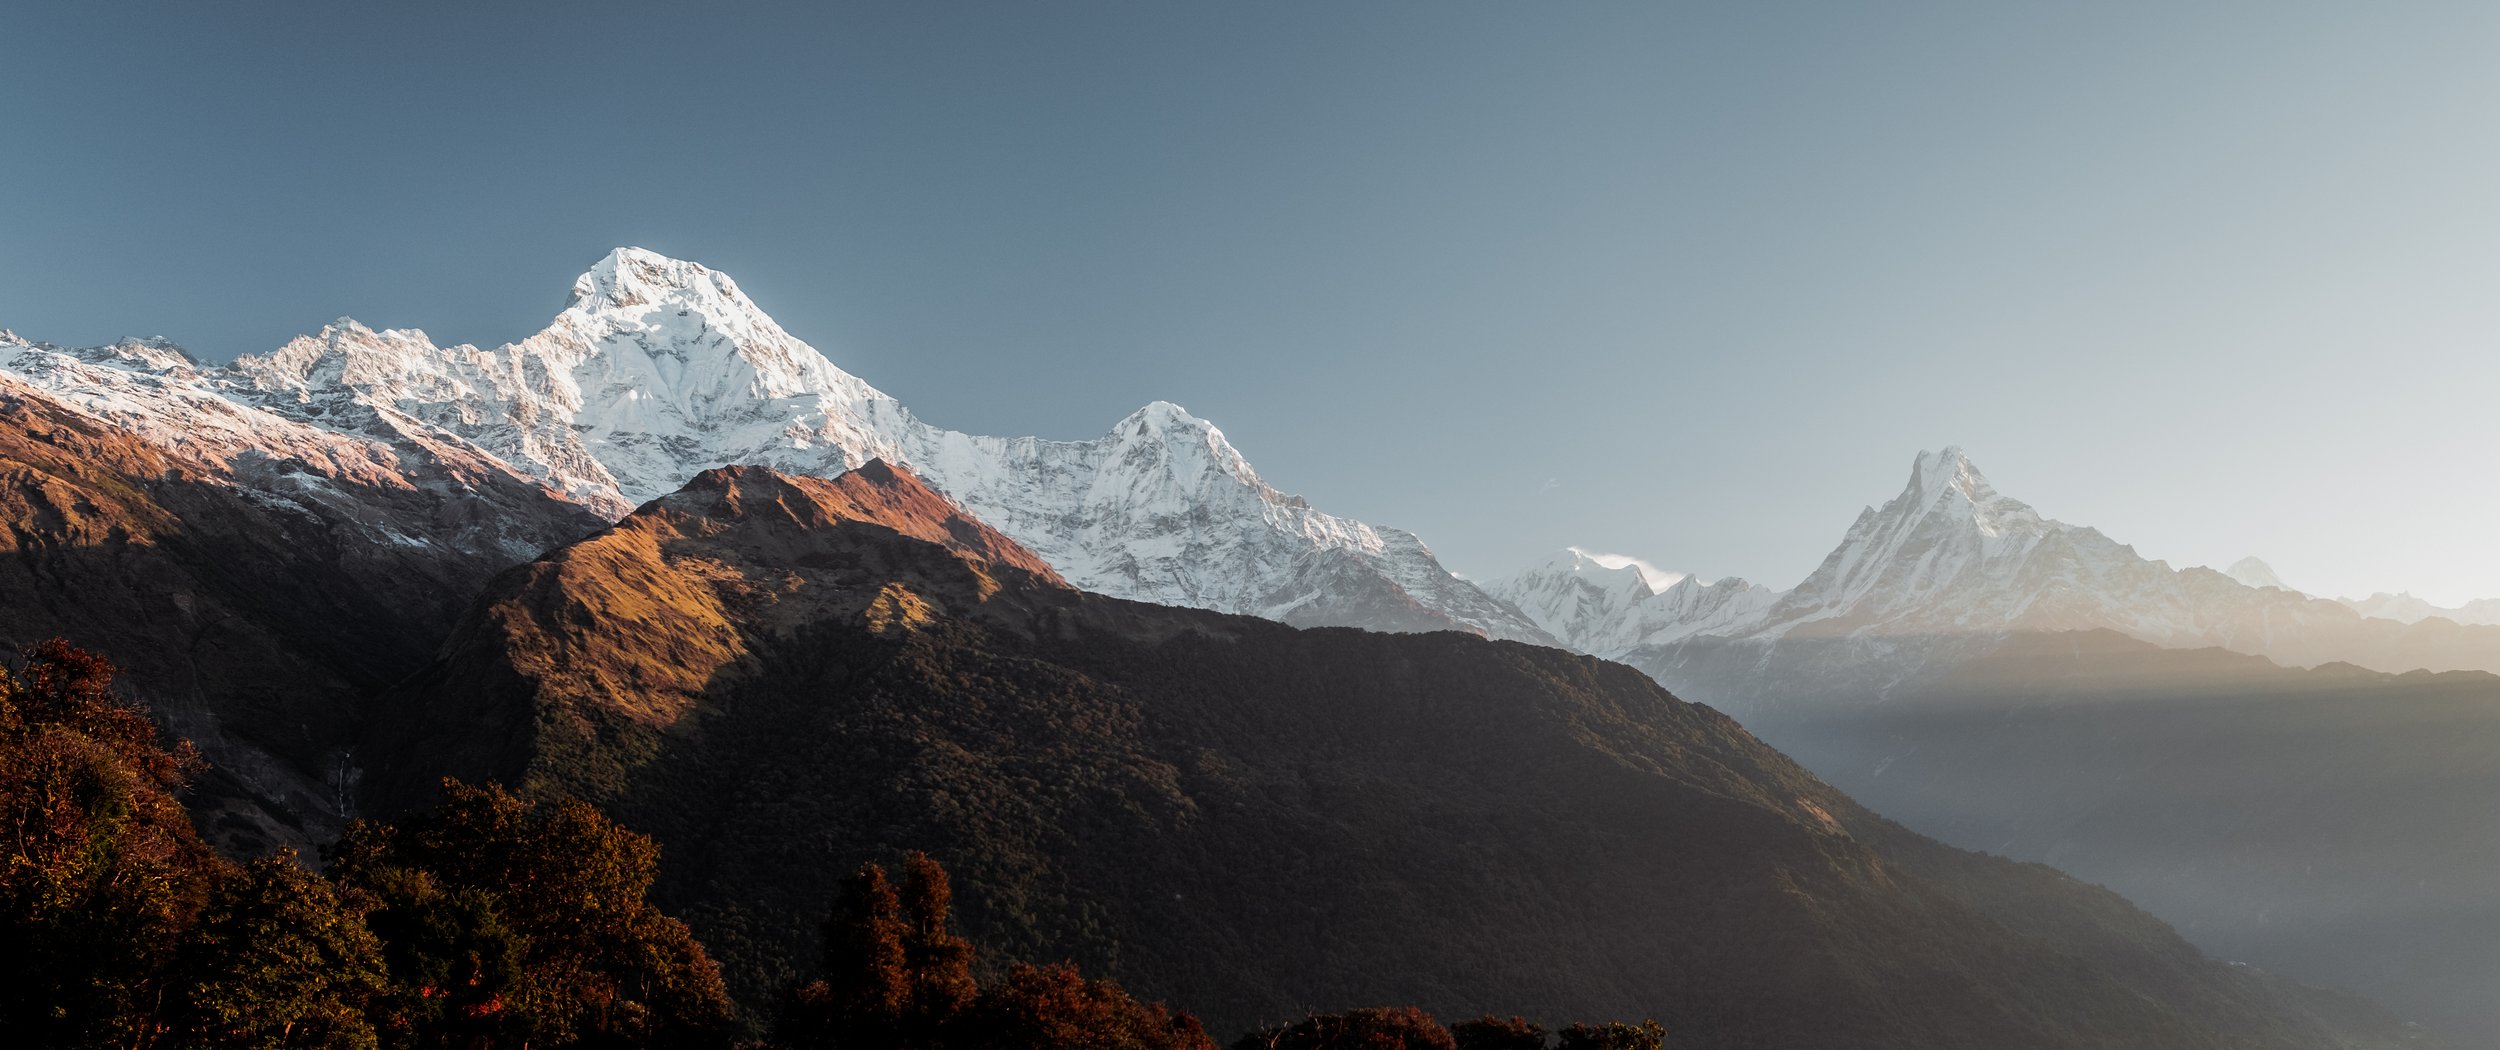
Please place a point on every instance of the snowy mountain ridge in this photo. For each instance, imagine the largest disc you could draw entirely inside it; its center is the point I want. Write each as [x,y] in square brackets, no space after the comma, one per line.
[153,389]
[657,369]
[2255,573]
[2403,607]
[1606,605]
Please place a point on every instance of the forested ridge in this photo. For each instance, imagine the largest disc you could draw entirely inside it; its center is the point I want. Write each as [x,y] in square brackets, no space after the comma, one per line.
[487,921]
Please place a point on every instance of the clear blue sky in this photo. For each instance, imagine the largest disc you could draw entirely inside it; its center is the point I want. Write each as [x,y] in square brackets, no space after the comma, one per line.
[1688,282]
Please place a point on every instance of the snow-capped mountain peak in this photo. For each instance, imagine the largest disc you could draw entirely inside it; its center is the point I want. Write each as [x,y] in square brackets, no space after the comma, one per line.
[1652,578]
[1617,579]
[154,354]
[688,335]
[1948,528]
[1948,483]
[346,354]
[628,277]
[2255,573]
[1607,604]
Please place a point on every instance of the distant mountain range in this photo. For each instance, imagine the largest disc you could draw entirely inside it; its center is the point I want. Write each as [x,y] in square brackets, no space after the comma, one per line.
[1940,572]
[2405,608]
[2401,607]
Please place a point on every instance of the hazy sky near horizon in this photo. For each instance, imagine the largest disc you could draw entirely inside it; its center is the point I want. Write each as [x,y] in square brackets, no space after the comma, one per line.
[1690,282]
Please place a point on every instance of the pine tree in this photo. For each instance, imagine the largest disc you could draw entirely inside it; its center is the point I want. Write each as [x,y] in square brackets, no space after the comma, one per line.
[939,961]
[898,977]
[866,984]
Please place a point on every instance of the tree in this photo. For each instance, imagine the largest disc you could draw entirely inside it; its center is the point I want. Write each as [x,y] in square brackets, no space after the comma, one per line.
[939,961]
[1055,1008]
[896,976]
[1647,1035]
[277,960]
[597,962]
[455,965]
[866,983]
[100,870]
[1396,1028]
[1495,1033]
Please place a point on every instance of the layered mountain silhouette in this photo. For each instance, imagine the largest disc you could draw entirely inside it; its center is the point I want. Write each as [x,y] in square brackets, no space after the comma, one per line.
[780,676]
